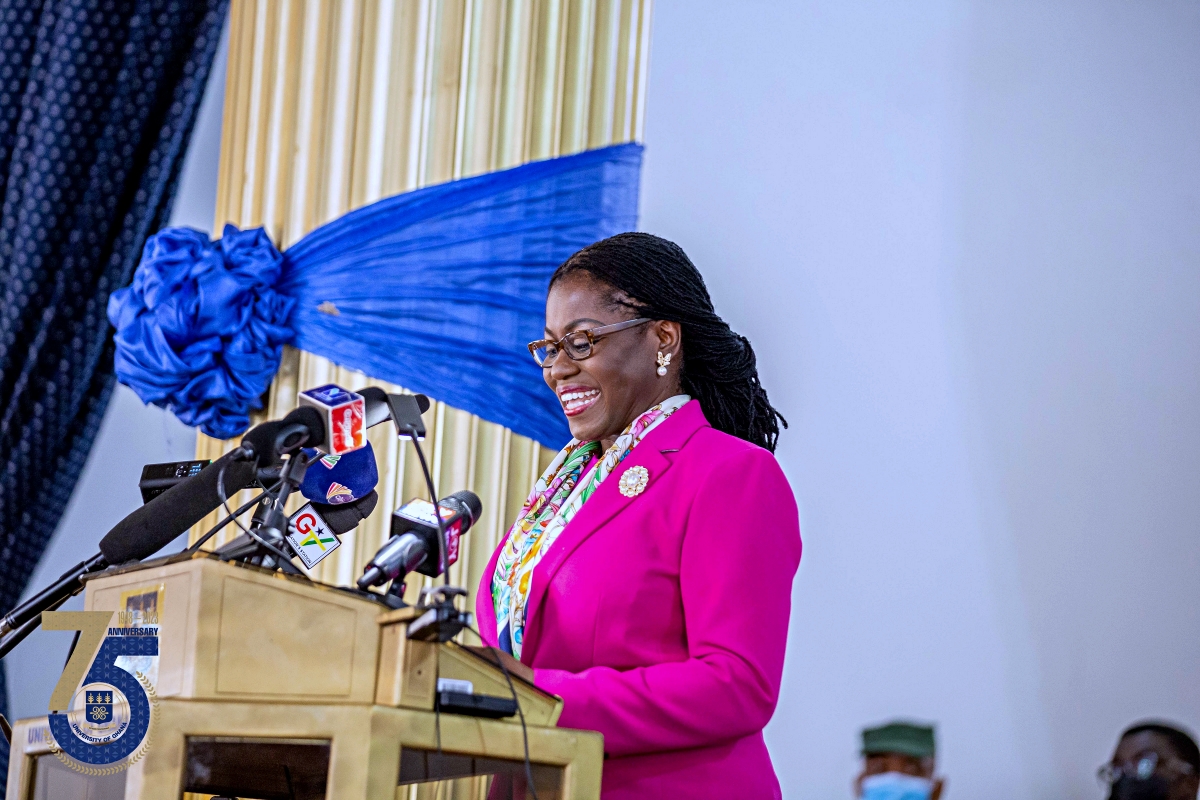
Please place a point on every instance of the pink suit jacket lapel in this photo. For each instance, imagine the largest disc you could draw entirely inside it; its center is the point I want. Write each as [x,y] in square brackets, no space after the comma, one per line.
[654,453]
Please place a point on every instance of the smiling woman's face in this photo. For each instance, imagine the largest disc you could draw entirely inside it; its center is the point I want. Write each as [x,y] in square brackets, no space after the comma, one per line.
[602,394]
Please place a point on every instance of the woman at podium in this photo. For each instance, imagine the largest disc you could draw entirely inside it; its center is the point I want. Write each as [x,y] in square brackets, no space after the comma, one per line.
[647,580]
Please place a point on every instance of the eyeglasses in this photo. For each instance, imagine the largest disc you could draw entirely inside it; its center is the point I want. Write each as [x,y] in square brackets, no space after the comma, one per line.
[1142,769]
[576,344]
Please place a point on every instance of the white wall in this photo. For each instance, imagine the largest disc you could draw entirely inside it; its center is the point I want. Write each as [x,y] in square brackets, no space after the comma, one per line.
[964,238]
[130,436]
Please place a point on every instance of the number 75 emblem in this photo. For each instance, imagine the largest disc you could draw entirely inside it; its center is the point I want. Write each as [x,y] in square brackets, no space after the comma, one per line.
[100,714]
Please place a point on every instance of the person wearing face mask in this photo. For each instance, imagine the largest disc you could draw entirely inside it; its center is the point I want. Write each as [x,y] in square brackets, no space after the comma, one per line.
[647,580]
[898,763]
[1153,761]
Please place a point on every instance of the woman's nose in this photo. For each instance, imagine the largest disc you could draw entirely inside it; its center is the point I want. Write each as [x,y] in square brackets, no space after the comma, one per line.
[563,367]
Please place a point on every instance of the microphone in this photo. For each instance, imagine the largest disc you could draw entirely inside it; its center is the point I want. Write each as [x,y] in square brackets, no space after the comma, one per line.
[399,556]
[345,517]
[156,524]
[265,444]
[376,402]
[144,532]
[403,409]
[414,542]
[324,409]
[340,479]
[406,411]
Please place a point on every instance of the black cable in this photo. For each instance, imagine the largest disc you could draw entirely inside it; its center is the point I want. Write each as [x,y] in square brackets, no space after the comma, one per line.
[225,503]
[437,511]
[437,722]
[71,650]
[520,713]
[241,510]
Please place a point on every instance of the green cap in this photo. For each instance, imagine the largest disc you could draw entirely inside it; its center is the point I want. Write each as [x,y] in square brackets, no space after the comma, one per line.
[899,737]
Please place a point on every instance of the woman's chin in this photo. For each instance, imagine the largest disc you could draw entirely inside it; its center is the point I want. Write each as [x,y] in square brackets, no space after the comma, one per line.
[584,427]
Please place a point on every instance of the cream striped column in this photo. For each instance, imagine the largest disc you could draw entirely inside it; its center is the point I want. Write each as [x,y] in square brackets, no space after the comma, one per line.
[333,104]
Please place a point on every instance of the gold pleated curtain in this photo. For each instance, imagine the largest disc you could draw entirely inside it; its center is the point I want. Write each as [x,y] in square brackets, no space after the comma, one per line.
[334,104]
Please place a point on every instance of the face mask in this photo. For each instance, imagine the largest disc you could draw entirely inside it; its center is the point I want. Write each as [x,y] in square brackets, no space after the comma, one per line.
[896,786]
[1130,788]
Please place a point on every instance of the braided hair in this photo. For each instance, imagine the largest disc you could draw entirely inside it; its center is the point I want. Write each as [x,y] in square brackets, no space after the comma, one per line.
[652,277]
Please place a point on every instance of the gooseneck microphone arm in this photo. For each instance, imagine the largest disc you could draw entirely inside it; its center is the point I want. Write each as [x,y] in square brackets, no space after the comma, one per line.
[406,411]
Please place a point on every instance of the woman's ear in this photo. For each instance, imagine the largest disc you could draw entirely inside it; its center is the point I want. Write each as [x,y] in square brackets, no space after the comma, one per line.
[669,337]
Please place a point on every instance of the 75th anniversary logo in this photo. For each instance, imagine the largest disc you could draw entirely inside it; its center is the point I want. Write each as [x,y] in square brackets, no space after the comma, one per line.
[103,707]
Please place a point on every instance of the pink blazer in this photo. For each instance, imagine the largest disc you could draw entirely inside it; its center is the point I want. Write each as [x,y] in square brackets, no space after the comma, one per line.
[661,619]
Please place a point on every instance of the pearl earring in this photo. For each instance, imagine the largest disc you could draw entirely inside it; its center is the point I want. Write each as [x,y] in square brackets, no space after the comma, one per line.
[664,361]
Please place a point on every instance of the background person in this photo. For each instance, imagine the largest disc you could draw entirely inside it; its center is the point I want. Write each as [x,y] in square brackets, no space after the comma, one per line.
[1153,761]
[898,763]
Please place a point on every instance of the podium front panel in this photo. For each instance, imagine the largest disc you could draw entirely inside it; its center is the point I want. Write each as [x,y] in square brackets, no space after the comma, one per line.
[53,780]
[505,778]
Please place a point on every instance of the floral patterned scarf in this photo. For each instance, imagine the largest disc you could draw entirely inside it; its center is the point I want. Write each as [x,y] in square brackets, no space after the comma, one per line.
[555,498]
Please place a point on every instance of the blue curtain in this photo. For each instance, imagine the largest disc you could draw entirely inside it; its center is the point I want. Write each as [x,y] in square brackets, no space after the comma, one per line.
[97,101]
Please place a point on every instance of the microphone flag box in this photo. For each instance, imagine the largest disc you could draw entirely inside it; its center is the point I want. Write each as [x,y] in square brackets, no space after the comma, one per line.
[417,516]
[310,536]
[345,415]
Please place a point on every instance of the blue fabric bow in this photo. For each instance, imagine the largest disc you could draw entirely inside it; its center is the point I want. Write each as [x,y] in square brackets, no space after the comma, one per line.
[437,290]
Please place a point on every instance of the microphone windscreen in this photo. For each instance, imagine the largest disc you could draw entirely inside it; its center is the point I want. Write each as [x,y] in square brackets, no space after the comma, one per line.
[309,418]
[345,517]
[473,504]
[156,524]
[422,402]
[340,479]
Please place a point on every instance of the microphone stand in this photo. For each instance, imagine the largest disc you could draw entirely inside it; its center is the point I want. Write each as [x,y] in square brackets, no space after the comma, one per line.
[17,635]
[269,525]
[25,618]
[68,585]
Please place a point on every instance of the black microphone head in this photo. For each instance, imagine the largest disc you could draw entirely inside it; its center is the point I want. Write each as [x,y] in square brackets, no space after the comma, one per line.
[343,517]
[471,502]
[266,443]
[309,418]
[259,441]
[422,402]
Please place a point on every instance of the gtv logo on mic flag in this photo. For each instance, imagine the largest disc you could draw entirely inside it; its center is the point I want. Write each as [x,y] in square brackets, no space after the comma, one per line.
[101,714]
[311,537]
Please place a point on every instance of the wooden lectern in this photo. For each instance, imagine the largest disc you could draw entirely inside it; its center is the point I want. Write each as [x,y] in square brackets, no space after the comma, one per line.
[270,687]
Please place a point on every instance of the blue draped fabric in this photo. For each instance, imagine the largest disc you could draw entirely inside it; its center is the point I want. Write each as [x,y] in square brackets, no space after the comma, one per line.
[438,290]
[97,101]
